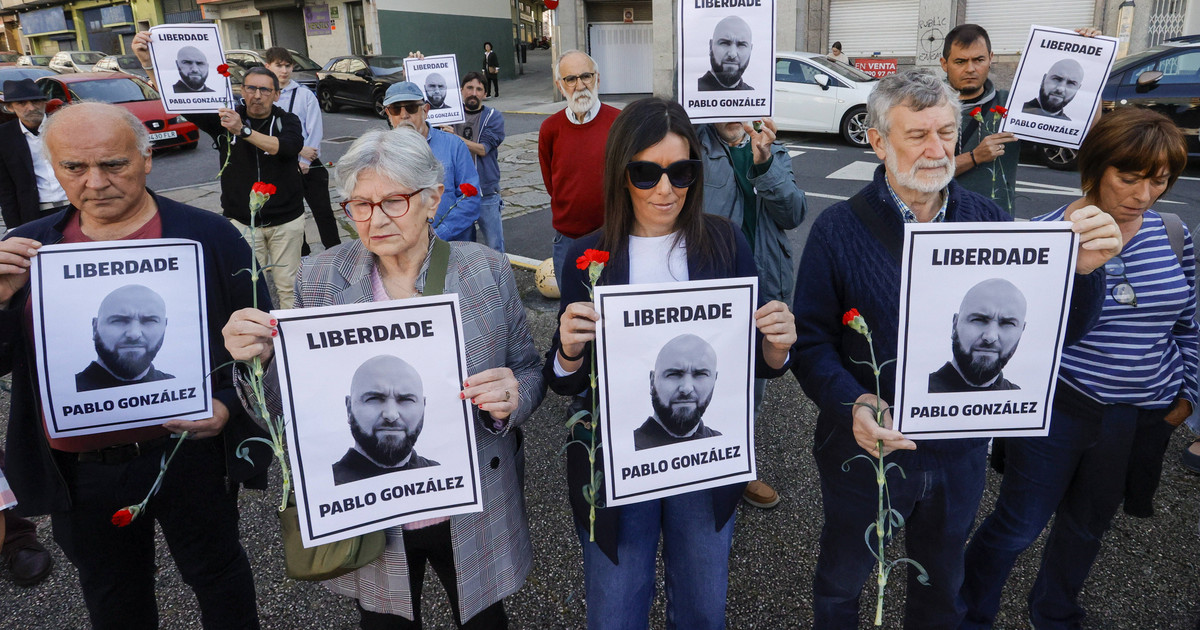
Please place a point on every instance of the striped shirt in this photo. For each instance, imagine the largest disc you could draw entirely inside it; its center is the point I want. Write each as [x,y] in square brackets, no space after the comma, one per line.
[7,498]
[1144,355]
[907,213]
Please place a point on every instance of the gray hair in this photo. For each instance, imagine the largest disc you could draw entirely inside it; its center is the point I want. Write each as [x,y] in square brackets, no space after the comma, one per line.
[92,110]
[915,89]
[401,155]
[573,51]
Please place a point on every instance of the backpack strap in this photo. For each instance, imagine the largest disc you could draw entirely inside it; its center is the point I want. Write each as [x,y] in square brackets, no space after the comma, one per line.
[1174,226]
[439,260]
[892,242]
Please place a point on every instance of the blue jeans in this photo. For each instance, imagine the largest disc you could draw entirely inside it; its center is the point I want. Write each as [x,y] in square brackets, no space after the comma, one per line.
[695,556]
[491,227]
[1078,472]
[938,505]
[561,244]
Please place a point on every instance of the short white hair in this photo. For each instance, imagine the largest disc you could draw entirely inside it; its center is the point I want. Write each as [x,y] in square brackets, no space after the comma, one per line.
[915,89]
[95,109]
[401,155]
[573,51]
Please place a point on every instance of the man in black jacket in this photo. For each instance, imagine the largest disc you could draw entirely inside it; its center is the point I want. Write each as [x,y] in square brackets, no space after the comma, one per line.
[28,189]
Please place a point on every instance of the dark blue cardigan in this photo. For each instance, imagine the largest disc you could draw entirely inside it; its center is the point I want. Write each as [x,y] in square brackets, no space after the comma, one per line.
[575,289]
[845,267]
[30,467]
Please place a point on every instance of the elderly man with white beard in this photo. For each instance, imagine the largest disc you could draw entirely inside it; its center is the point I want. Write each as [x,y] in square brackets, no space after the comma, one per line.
[852,261]
[571,153]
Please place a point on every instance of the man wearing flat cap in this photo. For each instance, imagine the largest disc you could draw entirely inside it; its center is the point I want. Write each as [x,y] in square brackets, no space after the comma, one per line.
[406,107]
[28,189]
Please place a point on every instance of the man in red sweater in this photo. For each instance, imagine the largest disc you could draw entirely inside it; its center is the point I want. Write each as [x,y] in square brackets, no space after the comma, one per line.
[571,153]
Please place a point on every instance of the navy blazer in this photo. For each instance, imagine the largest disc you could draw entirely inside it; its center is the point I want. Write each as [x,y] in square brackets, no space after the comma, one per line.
[18,185]
[575,289]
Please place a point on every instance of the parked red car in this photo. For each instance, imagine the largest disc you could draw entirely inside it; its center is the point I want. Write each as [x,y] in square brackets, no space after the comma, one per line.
[129,92]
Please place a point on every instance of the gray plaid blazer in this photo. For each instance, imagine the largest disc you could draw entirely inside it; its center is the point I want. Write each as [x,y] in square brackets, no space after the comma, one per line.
[492,551]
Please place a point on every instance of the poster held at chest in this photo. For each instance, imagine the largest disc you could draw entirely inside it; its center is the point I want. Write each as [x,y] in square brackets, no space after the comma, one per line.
[186,58]
[983,315]
[676,380]
[438,78]
[726,59]
[120,335]
[377,434]
[1057,87]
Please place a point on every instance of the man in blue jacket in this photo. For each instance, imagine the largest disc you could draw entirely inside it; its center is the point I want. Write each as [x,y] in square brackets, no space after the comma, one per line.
[101,155]
[459,209]
[483,133]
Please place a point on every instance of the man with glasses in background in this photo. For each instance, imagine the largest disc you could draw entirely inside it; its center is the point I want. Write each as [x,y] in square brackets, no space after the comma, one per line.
[571,153]
[457,212]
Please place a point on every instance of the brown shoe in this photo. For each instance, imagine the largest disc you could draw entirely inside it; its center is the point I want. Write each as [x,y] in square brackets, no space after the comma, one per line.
[760,495]
[28,565]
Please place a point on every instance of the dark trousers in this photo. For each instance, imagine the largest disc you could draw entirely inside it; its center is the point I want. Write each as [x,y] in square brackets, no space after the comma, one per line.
[19,533]
[199,520]
[432,544]
[1076,473]
[316,194]
[493,83]
[938,505]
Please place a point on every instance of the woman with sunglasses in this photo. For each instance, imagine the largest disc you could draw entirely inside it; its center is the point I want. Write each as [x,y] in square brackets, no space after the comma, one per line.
[392,184]
[1122,389]
[655,231]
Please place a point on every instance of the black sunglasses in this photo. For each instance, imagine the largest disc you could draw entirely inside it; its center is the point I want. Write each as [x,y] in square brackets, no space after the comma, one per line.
[412,107]
[646,175]
[1123,292]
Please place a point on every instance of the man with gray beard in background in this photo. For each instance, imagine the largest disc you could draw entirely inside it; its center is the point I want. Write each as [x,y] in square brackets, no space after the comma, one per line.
[571,153]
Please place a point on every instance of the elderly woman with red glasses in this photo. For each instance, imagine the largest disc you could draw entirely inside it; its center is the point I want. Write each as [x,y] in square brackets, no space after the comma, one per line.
[655,230]
[392,184]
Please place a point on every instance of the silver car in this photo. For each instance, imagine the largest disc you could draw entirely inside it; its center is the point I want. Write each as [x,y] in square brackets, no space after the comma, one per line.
[75,60]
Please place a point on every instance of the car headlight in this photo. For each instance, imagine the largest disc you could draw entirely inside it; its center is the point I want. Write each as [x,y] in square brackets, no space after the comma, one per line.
[178,120]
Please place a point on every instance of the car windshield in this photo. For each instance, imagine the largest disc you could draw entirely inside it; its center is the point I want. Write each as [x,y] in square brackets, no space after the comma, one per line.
[850,72]
[16,73]
[386,65]
[8,56]
[1137,58]
[303,63]
[117,90]
[128,63]
[89,58]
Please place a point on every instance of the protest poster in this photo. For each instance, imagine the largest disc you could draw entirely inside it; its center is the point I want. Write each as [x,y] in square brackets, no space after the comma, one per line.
[983,314]
[377,433]
[438,78]
[726,56]
[676,378]
[1056,90]
[186,58]
[141,306]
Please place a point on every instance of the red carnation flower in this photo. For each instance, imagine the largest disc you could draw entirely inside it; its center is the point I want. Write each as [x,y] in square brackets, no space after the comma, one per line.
[122,517]
[591,256]
[849,316]
[468,190]
[1003,111]
[223,70]
[975,112]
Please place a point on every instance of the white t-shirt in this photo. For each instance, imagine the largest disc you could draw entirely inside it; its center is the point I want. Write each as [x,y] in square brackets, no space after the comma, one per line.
[657,259]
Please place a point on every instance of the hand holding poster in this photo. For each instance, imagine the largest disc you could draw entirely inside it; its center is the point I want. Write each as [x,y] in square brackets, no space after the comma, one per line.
[375,442]
[726,59]
[186,58]
[983,315]
[141,306]
[438,78]
[1057,87]
[676,380]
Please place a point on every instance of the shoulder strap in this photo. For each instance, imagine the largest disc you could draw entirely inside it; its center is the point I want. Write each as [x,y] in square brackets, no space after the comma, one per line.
[875,225]
[292,103]
[439,259]
[1174,226]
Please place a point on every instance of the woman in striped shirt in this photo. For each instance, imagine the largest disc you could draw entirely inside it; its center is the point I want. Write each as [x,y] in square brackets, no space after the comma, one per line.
[1135,370]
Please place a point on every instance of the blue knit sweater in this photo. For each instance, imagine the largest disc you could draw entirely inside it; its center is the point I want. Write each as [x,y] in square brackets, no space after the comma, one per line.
[845,267]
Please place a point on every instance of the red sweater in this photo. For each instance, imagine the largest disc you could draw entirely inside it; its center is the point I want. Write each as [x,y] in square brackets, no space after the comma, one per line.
[572,160]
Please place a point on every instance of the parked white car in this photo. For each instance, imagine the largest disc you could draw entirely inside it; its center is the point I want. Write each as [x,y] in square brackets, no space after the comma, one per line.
[67,61]
[813,93]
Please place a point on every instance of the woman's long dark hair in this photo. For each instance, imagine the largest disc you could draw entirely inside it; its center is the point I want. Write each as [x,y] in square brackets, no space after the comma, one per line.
[641,125]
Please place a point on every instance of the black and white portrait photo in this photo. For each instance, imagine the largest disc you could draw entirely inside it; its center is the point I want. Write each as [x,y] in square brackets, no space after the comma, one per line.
[186,58]
[128,331]
[681,388]
[377,433]
[729,53]
[984,335]
[193,71]
[1058,88]
[675,375]
[437,76]
[386,410]
[120,335]
[1056,91]
[726,60]
[435,90]
[983,312]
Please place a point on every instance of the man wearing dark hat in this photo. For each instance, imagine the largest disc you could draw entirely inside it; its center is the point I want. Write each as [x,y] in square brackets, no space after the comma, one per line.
[28,189]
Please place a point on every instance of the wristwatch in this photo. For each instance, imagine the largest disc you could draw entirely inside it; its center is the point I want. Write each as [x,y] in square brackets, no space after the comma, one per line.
[246,131]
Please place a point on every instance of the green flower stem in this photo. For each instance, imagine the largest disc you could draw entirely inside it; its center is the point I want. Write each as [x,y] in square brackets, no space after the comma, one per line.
[881,481]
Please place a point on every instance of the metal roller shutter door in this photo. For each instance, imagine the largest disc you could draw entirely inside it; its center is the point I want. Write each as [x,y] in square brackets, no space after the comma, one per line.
[873,26]
[1008,22]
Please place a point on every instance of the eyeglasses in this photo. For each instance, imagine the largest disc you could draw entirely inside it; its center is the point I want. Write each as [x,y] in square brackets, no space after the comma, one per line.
[254,89]
[646,175]
[1123,293]
[361,210]
[412,107]
[571,79]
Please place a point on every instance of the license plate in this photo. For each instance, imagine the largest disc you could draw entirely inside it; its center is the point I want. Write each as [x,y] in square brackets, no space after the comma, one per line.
[162,135]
